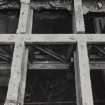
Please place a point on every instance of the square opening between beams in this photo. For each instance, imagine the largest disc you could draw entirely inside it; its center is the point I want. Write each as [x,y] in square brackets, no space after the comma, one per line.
[52,22]
[47,81]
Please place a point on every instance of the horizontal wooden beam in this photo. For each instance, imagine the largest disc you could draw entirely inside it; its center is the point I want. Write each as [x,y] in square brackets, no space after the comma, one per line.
[48,66]
[36,66]
[65,38]
[51,38]
[7,38]
[52,5]
[96,65]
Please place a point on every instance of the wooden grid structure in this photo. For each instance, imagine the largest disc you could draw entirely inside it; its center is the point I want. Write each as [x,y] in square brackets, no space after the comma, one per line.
[17,82]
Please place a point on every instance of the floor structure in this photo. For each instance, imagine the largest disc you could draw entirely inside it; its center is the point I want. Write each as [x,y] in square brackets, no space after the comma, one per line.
[52,52]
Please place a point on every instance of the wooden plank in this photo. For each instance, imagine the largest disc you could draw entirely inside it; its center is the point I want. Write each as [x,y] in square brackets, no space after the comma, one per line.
[24,27]
[25,63]
[41,66]
[30,22]
[7,38]
[77,82]
[95,38]
[23,78]
[27,27]
[96,65]
[78,17]
[15,78]
[65,38]
[15,95]
[48,66]
[48,5]
[52,38]
[24,16]
[84,91]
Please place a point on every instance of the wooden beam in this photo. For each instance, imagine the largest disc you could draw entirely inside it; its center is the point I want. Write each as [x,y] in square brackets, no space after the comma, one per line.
[16,69]
[23,78]
[30,23]
[7,38]
[39,66]
[78,20]
[24,27]
[82,73]
[65,38]
[24,16]
[52,38]
[77,81]
[96,65]
[39,5]
[49,66]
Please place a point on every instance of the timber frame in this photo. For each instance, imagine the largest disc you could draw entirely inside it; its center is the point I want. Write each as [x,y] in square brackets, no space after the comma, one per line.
[17,82]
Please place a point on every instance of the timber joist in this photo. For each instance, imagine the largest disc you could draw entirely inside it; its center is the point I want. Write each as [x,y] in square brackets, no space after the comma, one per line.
[52,38]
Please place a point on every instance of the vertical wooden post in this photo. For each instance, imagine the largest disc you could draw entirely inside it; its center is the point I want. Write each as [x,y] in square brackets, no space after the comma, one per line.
[15,78]
[16,89]
[23,77]
[82,75]
[82,70]
[30,22]
[24,17]
[26,29]
[78,20]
